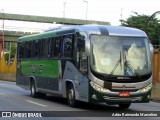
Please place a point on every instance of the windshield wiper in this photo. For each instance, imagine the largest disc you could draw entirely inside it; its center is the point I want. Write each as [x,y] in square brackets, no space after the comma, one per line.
[118,62]
[132,69]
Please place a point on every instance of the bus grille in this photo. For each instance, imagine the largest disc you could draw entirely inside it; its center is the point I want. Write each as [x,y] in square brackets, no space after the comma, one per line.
[115,90]
[122,98]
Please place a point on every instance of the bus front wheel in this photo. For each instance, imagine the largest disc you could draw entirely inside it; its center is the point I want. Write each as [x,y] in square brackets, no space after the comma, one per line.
[71,96]
[125,106]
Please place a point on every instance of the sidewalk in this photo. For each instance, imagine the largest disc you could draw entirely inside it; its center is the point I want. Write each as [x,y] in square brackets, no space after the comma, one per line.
[155,96]
[155,99]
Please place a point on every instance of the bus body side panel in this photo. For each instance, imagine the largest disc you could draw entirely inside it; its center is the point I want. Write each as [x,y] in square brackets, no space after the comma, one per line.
[22,82]
[21,79]
[44,72]
[79,81]
[47,83]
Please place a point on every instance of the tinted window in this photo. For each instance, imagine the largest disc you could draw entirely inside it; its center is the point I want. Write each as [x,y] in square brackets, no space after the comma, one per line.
[52,44]
[82,59]
[21,50]
[28,49]
[36,47]
[68,46]
[45,48]
[57,47]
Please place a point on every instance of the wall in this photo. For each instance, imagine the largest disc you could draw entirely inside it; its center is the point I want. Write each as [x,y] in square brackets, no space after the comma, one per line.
[156,75]
[7,72]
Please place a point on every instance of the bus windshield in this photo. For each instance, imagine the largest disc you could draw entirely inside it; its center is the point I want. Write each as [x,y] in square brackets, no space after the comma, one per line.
[116,55]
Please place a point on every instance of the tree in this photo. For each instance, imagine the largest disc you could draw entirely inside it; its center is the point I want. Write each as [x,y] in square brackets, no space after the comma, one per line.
[139,21]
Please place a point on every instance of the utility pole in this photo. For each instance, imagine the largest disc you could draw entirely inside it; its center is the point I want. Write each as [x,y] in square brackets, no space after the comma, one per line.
[86,7]
[121,15]
[64,8]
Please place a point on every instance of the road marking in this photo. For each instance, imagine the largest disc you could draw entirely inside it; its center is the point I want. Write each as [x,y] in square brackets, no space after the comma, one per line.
[36,103]
[2,94]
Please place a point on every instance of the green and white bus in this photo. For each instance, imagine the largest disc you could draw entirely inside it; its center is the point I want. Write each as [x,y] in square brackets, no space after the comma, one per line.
[89,63]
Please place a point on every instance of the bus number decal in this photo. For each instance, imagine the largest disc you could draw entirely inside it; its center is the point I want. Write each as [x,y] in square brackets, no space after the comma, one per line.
[36,69]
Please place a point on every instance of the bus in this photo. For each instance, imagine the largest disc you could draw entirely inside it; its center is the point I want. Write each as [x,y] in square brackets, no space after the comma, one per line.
[88,63]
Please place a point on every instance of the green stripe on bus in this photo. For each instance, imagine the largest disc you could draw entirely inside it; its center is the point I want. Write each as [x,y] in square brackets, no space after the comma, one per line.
[47,68]
[38,36]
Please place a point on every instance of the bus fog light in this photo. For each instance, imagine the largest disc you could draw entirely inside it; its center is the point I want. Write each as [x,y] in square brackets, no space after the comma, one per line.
[94,96]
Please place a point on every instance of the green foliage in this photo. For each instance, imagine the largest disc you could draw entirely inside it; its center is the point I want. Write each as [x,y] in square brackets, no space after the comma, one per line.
[139,21]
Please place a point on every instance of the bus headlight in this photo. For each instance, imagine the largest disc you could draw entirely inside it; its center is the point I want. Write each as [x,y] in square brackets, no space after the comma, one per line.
[99,88]
[146,88]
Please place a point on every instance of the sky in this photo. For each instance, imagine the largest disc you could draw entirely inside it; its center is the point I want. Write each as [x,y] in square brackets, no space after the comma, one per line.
[100,10]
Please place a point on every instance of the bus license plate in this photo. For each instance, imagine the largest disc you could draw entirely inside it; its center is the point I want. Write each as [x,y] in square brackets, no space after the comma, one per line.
[124,94]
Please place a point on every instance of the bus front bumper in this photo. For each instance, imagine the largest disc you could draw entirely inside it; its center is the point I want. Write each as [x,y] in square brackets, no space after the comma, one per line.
[103,95]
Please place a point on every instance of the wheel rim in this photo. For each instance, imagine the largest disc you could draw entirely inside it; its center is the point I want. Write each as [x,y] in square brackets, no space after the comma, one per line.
[71,96]
[32,89]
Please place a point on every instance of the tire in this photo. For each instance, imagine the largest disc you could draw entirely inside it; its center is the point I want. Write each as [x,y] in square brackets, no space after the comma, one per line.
[71,96]
[125,105]
[34,94]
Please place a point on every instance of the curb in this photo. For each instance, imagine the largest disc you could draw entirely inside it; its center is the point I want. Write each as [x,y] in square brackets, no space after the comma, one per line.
[155,99]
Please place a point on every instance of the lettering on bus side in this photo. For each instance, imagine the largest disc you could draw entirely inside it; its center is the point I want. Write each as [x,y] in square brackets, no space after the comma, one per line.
[36,69]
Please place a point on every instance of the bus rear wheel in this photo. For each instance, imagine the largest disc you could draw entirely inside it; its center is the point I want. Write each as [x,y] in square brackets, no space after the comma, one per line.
[34,94]
[125,105]
[71,96]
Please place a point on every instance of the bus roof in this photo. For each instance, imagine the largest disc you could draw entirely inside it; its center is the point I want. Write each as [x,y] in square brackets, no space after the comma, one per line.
[113,30]
[89,29]
[46,34]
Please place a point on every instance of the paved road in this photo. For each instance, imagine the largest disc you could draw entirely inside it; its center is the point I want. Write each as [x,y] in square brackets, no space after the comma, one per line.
[13,98]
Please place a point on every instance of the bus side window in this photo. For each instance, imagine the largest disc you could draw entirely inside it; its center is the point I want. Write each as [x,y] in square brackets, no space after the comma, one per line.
[83,61]
[82,58]
[81,55]
[57,47]
[52,44]
[45,46]
[68,46]
[36,44]
[28,49]
[20,50]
